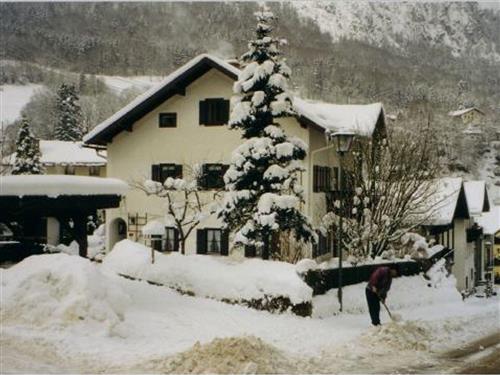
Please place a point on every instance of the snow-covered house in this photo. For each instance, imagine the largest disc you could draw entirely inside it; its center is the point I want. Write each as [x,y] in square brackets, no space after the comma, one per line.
[69,158]
[490,222]
[448,224]
[181,122]
[470,119]
[479,204]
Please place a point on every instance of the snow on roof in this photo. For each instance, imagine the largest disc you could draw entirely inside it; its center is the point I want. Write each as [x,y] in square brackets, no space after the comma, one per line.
[444,201]
[461,112]
[171,77]
[358,118]
[490,221]
[56,185]
[153,228]
[475,194]
[65,153]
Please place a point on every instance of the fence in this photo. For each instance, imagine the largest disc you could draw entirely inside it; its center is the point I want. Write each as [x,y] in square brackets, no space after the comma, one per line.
[323,280]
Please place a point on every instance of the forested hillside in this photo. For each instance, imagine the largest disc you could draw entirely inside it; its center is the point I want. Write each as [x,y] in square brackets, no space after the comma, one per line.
[415,58]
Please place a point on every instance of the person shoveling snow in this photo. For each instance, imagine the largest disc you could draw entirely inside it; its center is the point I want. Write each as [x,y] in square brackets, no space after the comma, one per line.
[376,292]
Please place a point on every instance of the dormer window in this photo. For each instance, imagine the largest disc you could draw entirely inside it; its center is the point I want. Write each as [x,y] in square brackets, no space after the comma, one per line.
[167,120]
[214,111]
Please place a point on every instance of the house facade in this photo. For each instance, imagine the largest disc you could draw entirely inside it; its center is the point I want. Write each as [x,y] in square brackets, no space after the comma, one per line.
[67,158]
[449,224]
[182,123]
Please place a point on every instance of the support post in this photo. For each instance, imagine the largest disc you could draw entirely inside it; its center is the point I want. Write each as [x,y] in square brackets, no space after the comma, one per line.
[80,233]
[339,232]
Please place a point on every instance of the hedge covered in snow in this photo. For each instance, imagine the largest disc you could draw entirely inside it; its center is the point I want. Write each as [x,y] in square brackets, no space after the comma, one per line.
[263,285]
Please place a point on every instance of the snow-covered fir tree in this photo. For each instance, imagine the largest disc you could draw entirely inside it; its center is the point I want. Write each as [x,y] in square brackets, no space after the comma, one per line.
[263,194]
[68,125]
[27,151]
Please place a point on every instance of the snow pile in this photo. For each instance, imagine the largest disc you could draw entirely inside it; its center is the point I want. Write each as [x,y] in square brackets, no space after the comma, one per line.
[61,290]
[220,278]
[402,335]
[406,292]
[247,355]
[153,228]
[97,243]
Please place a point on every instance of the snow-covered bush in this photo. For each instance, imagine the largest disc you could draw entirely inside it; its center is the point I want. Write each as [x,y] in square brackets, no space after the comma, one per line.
[263,285]
[59,289]
[263,193]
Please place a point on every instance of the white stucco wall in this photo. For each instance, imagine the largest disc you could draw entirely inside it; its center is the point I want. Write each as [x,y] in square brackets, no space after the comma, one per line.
[131,154]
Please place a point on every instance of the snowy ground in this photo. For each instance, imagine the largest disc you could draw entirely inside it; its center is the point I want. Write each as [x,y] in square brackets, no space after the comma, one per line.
[12,100]
[61,313]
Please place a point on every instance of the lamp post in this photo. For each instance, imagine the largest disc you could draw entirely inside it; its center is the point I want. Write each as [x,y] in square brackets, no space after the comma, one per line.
[343,141]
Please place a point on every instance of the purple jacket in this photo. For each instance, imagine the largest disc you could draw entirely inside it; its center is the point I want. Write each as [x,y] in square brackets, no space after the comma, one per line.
[381,279]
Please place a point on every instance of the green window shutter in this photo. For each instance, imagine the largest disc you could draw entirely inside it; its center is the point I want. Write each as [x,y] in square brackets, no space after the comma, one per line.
[224,242]
[178,171]
[156,172]
[176,239]
[203,112]
[225,111]
[201,241]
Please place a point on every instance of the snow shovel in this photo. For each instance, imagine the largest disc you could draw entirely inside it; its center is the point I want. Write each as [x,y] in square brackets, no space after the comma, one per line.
[395,317]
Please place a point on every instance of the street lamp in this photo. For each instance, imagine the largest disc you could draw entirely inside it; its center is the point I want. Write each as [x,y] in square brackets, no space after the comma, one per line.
[343,141]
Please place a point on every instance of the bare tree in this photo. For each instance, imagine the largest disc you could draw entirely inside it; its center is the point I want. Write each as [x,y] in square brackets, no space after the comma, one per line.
[389,182]
[186,205]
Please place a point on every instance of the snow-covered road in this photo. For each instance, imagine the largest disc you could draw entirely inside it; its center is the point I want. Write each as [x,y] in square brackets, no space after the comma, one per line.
[160,323]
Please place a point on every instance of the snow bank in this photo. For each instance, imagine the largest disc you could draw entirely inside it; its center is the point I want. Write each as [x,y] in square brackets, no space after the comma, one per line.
[61,290]
[407,335]
[406,292]
[215,277]
[247,355]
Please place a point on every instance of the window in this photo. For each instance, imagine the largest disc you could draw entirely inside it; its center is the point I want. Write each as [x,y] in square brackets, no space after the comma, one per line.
[322,178]
[325,245]
[214,111]
[212,241]
[167,120]
[212,176]
[94,170]
[171,239]
[160,172]
[69,169]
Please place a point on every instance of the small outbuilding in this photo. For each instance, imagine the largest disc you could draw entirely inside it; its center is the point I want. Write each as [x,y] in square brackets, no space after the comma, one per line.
[39,204]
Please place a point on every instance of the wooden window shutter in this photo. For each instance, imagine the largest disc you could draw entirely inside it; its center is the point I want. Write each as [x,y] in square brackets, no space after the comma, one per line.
[176,239]
[156,172]
[202,180]
[315,179]
[201,241]
[250,251]
[224,242]
[178,171]
[225,111]
[328,179]
[203,112]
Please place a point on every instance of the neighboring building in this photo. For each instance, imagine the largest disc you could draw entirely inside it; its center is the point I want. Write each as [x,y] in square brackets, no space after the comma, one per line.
[70,158]
[471,115]
[490,221]
[448,224]
[182,122]
[479,205]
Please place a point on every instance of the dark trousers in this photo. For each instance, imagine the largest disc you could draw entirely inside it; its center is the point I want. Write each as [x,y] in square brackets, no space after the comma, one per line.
[373,306]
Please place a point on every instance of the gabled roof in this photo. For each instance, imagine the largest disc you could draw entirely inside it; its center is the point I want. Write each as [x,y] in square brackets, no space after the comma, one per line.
[461,112]
[173,84]
[64,153]
[448,202]
[358,118]
[477,197]
[490,221]
[361,119]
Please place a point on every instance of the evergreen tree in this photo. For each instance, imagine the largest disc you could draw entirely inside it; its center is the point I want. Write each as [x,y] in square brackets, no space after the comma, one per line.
[27,151]
[68,126]
[263,194]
